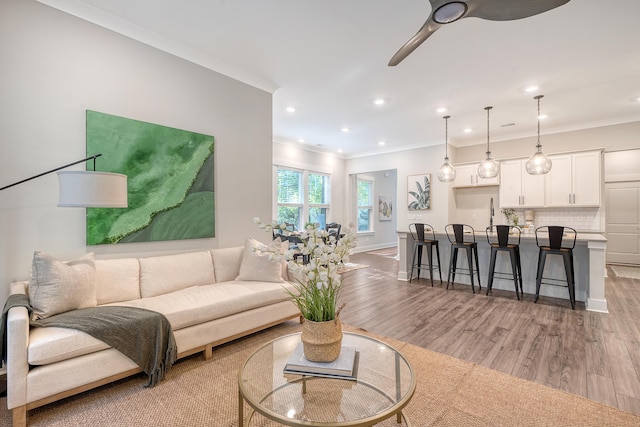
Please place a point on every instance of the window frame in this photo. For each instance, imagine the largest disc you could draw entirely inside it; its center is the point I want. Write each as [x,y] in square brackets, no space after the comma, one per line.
[305,205]
[371,182]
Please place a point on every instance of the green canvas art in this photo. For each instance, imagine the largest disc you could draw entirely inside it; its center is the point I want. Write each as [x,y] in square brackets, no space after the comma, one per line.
[170,181]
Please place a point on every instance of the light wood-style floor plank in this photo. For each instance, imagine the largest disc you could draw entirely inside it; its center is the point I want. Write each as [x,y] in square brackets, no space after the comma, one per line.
[591,354]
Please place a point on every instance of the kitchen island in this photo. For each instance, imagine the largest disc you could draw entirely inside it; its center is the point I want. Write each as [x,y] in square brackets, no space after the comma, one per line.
[589,265]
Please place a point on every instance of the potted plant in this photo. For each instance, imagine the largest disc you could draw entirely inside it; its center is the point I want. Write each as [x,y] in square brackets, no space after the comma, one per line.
[512,216]
[317,286]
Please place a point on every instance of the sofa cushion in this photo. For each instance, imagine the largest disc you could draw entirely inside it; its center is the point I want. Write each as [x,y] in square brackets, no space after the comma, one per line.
[258,263]
[117,280]
[199,304]
[57,286]
[51,345]
[164,274]
[226,263]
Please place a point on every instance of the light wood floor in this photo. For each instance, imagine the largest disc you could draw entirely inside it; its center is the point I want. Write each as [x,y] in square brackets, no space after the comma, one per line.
[590,354]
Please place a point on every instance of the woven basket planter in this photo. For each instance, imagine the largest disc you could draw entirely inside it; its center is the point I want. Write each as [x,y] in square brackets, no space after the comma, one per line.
[322,340]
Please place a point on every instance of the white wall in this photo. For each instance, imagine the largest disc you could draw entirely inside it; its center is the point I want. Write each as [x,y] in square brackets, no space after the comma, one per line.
[384,232]
[411,162]
[610,138]
[54,67]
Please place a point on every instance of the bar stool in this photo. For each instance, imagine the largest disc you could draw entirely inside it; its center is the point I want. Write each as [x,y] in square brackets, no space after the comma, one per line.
[456,234]
[561,241]
[499,241]
[421,239]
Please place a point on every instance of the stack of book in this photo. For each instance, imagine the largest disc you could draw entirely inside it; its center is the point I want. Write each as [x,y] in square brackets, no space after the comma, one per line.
[344,367]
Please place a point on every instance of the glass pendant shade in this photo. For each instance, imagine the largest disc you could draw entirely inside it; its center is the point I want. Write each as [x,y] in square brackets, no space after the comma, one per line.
[538,163]
[446,173]
[488,168]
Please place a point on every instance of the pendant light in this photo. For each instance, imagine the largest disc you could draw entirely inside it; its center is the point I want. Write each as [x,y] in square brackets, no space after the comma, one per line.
[488,168]
[446,173]
[538,163]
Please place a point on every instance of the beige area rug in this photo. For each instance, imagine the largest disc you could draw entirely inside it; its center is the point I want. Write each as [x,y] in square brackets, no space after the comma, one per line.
[449,392]
[626,271]
[350,266]
[386,252]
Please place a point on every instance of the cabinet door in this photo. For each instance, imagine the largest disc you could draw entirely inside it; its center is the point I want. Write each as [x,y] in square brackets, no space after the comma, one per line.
[532,189]
[486,181]
[465,176]
[558,181]
[511,187]
[586,179]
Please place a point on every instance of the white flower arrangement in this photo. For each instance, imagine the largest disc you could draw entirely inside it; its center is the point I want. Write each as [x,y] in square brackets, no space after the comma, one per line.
[319,283]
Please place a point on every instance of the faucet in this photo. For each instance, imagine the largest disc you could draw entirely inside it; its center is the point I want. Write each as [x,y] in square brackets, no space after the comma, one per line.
[491,213]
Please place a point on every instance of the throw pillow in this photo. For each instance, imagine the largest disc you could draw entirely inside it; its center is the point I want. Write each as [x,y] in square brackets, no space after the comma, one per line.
[57,286]
[257,264]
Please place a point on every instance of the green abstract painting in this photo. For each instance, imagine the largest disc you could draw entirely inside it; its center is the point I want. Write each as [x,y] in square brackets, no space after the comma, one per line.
[170,181]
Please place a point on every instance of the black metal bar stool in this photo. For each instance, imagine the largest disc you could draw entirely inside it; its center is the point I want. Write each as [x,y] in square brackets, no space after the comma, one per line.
[456,234]
[561,241]
[424,236]
[499,241]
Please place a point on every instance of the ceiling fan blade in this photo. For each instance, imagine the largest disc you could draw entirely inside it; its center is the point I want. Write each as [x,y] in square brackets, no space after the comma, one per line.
[509,10]
[424,33]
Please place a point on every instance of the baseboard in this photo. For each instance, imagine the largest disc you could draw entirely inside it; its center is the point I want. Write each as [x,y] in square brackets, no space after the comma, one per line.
[375,247]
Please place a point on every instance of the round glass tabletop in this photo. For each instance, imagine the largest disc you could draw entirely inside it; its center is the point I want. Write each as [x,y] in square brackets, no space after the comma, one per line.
[385,383]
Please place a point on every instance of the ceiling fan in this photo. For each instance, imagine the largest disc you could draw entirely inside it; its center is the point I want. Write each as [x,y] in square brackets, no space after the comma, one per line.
[446,11]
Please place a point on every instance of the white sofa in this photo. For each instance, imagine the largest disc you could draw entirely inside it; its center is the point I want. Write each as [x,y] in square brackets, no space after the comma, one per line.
[209,297]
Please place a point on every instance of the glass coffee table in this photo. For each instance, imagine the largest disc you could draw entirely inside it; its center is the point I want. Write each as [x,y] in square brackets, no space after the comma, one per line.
[385,384]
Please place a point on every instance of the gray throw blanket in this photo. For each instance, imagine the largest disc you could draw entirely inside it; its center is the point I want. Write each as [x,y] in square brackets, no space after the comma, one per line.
[144,336]
[15,300]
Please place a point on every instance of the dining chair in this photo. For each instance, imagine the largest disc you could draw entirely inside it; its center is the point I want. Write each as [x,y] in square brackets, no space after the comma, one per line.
[333,229]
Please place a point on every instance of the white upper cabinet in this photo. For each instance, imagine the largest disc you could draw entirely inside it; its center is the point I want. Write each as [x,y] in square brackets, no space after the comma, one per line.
[467,176]
[574,180]
[518,189]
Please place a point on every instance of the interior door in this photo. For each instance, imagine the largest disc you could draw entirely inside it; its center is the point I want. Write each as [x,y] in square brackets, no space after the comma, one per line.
[622,214]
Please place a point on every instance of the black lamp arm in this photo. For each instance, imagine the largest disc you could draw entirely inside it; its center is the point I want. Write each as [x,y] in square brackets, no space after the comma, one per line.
[54,170]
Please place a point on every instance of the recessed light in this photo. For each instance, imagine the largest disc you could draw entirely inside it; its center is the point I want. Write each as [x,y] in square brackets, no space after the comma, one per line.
[291,109]
[340,150]
[441,110]
[381,143]
[531,89]
[301,140]
[345,129]
[467,130]
[542,116]
[378,101]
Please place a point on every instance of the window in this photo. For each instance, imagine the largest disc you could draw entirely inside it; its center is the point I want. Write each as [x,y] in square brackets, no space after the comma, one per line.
[289,196]
[303,197]
[365,205]
[318,198]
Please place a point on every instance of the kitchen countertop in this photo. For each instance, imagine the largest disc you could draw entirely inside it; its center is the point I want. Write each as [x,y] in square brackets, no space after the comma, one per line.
[531,236]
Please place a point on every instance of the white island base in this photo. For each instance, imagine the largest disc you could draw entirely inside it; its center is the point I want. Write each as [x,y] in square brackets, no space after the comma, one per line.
[589,265]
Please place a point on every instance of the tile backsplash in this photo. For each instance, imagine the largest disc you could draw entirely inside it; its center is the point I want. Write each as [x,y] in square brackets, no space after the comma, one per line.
[582,219]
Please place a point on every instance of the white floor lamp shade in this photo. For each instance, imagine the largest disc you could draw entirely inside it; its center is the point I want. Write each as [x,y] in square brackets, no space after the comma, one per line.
[92,189]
